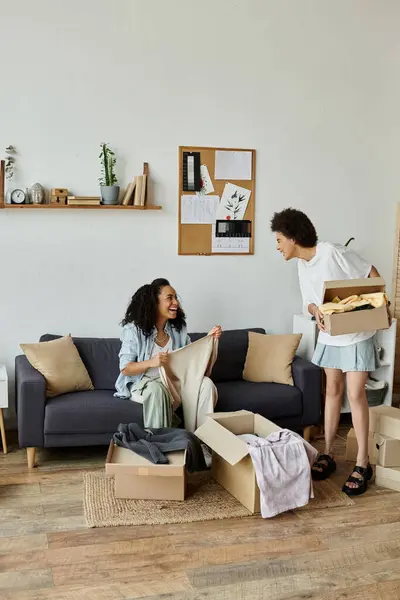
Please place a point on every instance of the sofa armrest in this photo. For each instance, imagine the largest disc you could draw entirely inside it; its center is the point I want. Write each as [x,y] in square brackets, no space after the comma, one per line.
[30,394]
[307,378]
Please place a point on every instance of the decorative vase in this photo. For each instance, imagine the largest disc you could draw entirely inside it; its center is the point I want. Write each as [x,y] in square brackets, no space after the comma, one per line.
[109,194]
[36,193]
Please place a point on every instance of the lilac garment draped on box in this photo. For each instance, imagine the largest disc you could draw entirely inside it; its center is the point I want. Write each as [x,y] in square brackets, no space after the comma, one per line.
[282,463]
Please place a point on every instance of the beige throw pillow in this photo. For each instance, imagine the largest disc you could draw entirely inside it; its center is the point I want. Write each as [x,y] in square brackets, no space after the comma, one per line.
[60,364]
[269,358]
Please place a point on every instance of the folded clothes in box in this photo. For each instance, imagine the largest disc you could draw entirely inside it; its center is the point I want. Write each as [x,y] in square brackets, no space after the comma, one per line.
[349,315]
[354,302]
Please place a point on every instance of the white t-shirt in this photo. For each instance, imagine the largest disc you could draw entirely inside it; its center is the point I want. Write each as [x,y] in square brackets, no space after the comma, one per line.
[331,263]
[154,371]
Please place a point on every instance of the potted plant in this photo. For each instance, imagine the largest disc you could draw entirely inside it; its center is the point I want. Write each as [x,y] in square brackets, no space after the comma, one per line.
[108,180]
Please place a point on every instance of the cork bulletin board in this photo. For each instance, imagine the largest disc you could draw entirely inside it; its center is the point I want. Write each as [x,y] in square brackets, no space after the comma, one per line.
[216,201]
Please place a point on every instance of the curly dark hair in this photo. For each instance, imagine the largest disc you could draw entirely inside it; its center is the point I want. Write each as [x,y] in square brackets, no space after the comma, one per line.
[296,226]
[142,309]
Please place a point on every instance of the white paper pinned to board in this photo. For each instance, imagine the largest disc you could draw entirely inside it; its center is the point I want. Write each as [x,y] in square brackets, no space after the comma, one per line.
[233,203]
[229,245]
[198,209]
[233,164]
[206,182]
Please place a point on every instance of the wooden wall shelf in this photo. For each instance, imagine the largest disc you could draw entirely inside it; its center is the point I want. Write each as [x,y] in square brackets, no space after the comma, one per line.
[3,204]
[84,206]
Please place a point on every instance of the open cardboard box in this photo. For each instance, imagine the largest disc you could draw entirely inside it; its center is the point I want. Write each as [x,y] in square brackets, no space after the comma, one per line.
[138,478]
[357,321]
[231,465]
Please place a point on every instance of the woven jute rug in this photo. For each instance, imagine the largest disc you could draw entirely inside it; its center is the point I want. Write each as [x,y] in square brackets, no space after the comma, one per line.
[206,501]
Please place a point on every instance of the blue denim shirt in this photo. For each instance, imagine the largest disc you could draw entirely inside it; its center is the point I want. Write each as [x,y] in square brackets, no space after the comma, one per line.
[136,347]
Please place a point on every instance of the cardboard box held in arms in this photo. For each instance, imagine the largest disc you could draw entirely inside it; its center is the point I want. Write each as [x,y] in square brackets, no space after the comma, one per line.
[358,321]
[136,477]
[231,465]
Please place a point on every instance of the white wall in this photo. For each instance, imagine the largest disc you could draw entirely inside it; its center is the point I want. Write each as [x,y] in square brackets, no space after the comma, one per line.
[313,85]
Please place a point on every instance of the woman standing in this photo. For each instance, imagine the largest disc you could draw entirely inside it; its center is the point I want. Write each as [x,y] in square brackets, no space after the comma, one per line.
[155,324]
[350,356]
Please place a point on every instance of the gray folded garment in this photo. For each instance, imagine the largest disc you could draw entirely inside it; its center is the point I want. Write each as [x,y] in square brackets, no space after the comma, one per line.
[153,444]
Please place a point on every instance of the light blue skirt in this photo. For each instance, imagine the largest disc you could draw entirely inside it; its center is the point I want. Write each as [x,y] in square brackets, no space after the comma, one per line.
[361,357]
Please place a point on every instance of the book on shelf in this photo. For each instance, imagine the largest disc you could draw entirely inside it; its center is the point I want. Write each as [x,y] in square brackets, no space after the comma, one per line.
[83,200]
[128,197]
[140,192]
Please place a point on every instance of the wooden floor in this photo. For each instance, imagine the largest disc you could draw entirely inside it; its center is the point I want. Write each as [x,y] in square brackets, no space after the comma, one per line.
[46,552]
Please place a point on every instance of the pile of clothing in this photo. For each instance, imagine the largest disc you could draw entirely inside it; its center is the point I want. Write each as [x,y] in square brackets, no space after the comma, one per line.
[282,463]
[353,303]
[154,444]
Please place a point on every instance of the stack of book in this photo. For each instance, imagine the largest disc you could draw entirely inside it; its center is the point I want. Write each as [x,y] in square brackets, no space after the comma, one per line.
[84,200]
[136,192]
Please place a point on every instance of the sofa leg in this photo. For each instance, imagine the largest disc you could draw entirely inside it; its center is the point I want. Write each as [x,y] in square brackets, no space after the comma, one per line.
[307,433]
[31,453]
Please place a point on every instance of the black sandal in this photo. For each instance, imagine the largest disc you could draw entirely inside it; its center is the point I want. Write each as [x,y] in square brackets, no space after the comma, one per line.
[327,466]
[362,482]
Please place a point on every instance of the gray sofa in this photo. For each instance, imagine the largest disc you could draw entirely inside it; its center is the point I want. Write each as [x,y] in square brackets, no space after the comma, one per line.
[90,418]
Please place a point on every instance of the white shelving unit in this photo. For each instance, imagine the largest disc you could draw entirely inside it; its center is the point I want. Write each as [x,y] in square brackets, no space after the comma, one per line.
[385,339]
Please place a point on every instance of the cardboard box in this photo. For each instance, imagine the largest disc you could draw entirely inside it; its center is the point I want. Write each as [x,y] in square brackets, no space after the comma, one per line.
[352,447]
[388,478]
[387,450]
[385,420]
[231,465]
[138,478]
[356,321]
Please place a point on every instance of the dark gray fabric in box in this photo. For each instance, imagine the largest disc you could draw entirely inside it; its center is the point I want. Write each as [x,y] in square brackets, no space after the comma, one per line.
[232,353]
[96,411]
[100,357]
[271,400]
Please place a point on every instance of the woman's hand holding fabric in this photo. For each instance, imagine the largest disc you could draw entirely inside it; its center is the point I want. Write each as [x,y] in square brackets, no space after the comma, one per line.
[159,360]
[216,332]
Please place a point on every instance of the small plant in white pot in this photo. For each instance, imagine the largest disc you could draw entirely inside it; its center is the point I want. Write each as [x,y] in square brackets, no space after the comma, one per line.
[108,181]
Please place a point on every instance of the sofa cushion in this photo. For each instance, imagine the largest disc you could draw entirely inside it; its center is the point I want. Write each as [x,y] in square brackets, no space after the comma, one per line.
[232,352]
[270,400]
[89,412]
[269,358]
[60,364]
[100,357]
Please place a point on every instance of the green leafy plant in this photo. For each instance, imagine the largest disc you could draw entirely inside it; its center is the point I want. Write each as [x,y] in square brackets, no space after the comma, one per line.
[108,162]
[10,160]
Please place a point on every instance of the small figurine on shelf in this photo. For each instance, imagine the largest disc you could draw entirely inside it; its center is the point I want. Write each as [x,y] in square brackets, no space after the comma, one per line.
[108,180]
[36,193]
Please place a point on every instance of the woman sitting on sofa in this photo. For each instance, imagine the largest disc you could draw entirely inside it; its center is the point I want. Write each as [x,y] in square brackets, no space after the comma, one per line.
[155,324]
